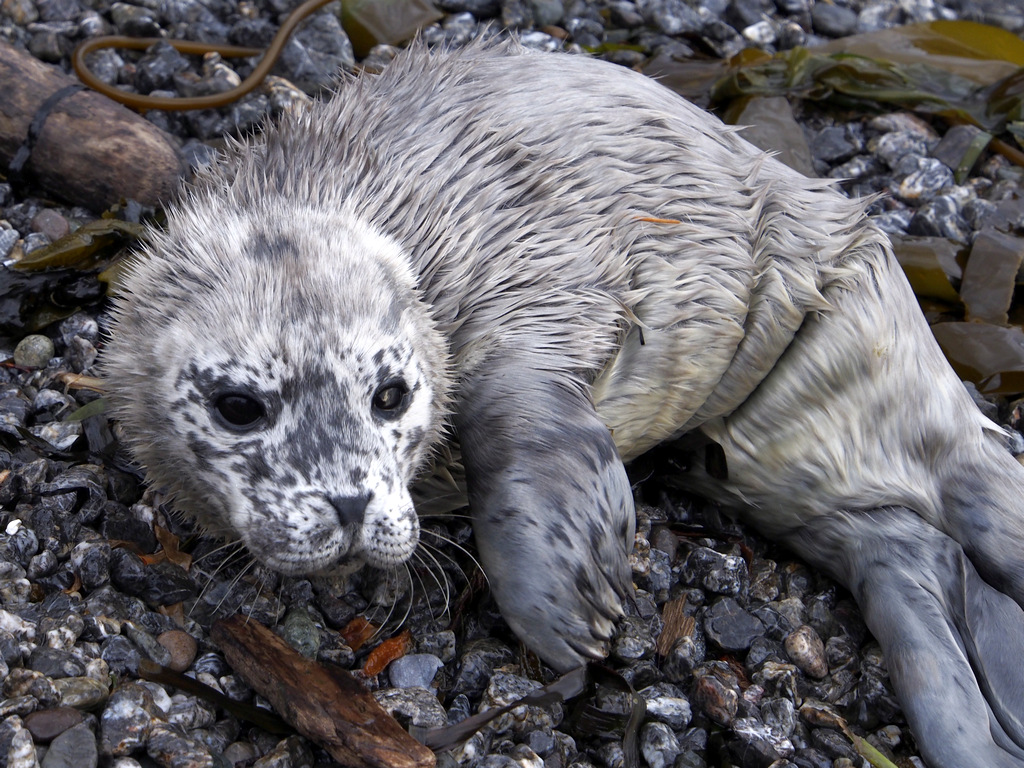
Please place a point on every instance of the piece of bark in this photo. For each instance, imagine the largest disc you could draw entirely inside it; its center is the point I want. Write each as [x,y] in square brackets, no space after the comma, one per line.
[325,704]
[675,624]
[91,151]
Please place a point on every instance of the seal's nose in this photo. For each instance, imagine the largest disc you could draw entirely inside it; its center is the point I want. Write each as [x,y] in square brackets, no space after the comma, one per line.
[350,509]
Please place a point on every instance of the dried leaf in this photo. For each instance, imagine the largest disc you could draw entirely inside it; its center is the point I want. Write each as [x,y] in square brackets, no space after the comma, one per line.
[357,632]
[87,247]
[393,648]
[939,68]
[991,276]
[929,263]
[991,356]
[372,22]
[170,543]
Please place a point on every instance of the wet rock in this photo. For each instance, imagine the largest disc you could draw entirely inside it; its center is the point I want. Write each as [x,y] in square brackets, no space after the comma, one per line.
[91,562]
[81,692]
[134,21]
[33,351]
[161,583]
[659,745]
[81,354]
[671,17]
[47,724]
[8,238]
[730,627]
[833,20]
[292,752]
[120,654]
[892,147]
[686,653]
[181,648]
[633,640]
[667,704]
[50,223]
[413,705]
[155,71]
[28,682]
[753,746]
[805,649]
[439,644]
[74,748]
[716,692]
[833,744]
[940,217]
[300,632]
[479,661]
[55,663]
[123,524]
[60,434]
[414,670]
[169,746]
[715,572]
[482,9]
[316,54]
[191,713]
[21,706]
[931,177]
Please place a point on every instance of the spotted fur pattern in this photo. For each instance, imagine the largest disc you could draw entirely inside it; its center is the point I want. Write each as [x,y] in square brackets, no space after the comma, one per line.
[563,264]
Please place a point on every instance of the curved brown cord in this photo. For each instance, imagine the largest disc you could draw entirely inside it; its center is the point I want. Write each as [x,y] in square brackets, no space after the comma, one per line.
[142,103]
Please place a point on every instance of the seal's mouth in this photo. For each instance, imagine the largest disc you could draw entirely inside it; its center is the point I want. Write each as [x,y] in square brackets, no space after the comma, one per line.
[309,556]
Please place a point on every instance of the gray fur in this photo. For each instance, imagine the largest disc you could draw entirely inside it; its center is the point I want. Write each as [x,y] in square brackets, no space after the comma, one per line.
[567,264]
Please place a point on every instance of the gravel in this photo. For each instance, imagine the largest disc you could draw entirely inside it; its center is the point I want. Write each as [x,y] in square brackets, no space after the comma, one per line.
[775,654]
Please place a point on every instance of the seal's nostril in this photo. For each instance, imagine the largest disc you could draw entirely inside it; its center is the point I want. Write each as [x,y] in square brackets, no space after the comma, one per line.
[350,509]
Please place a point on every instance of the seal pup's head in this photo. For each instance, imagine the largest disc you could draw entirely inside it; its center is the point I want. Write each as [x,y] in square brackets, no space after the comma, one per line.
[275,370]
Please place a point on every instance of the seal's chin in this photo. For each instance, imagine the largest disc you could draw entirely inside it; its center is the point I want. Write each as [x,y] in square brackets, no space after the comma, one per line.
[309,558]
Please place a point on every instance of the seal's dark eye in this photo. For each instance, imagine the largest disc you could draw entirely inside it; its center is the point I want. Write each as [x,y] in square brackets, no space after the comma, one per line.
[238,411]
[391,400]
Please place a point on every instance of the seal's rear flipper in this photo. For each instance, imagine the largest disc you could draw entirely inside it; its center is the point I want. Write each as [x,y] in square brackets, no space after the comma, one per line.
[552,509]
[953,643]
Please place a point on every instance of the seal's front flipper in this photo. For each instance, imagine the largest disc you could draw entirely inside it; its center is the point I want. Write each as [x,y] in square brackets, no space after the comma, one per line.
[953,643]
[552,509]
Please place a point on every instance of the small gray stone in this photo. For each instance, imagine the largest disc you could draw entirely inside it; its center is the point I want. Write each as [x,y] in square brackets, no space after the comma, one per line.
[940,217]
[316,54]
[46,724]
[414,670]
[8,238]
[33,351]
[134,21]
[50,223]
[81,692]
[415,705]
[659,745]
[833,20]
[75,748]
[667,704]
[715,572]
[931,177]
[673,17]
[55,663]
[728,625]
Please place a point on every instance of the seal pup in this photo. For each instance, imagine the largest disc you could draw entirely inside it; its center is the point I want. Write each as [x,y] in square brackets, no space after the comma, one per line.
[557,263]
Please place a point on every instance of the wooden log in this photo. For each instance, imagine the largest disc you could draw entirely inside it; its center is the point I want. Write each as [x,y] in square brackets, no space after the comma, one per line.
[323,703]
[90,150]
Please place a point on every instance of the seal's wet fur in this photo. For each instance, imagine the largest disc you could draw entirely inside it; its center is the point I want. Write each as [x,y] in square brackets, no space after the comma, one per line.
[566,264]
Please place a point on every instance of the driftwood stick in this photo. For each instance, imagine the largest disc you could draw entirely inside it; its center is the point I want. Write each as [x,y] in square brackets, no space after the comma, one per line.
[89,151]
[324,704]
